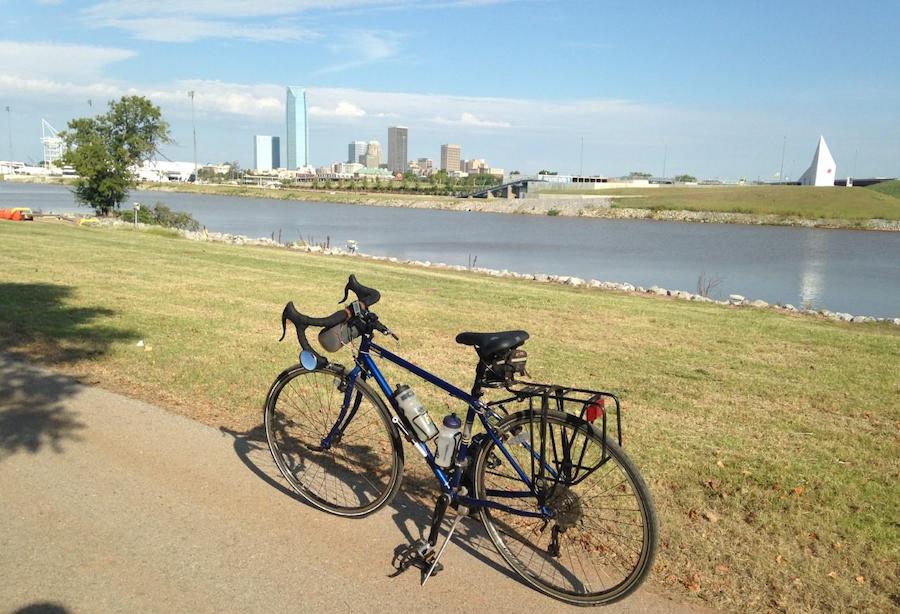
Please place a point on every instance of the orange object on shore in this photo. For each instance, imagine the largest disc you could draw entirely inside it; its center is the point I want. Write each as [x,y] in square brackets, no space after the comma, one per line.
[17,214]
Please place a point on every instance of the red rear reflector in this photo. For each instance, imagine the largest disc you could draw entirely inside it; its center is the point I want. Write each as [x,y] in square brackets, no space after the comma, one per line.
[595,410]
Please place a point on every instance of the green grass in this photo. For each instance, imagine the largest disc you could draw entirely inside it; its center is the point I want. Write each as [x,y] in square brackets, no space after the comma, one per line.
[851,204]
[891,188]
[782,428]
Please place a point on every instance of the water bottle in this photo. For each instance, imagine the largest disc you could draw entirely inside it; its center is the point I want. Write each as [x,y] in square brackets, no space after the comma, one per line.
[447,441]
[422,423]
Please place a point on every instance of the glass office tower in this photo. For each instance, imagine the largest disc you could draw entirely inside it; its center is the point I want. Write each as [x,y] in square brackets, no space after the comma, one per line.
[297,128]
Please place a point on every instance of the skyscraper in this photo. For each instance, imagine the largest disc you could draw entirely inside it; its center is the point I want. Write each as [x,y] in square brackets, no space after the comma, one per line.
[266,152]
[450,155]
[373,155]
[397,152]
[355,151]
[297,128]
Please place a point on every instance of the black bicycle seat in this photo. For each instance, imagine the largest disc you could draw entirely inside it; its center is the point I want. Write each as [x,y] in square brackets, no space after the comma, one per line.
[491,345]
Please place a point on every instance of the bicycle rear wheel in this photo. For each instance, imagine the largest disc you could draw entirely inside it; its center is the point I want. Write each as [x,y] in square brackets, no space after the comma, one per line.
[360,471]
[600,542]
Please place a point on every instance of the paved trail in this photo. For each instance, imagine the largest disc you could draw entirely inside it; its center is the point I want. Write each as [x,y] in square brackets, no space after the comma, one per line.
[108,504]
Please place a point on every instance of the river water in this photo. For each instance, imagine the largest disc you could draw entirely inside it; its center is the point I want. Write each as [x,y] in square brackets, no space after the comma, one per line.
[841,270]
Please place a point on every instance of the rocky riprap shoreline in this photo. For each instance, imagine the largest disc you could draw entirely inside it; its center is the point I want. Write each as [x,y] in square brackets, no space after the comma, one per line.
[734,300]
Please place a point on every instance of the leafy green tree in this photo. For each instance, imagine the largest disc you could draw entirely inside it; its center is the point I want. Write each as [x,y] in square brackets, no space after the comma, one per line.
[639,175]
[685,179]
[105,149]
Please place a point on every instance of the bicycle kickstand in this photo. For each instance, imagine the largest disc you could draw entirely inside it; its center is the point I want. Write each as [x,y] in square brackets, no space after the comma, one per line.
[438,519]
[440,552]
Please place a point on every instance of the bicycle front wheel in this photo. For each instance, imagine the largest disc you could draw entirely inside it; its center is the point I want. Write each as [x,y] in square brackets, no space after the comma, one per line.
[599,542]
[359,470]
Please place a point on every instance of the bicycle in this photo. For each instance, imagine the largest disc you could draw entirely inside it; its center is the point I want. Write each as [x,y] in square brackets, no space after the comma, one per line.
[561,502]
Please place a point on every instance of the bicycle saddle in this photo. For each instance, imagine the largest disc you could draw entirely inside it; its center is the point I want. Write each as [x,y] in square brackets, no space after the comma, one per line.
[490,345]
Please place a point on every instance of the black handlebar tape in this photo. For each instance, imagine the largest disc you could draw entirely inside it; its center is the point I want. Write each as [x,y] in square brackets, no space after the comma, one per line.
[367,296]
[301,321]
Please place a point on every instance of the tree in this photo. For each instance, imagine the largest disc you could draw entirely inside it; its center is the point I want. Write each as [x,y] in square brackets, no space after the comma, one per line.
[105,149]
[639,175]
[685,179]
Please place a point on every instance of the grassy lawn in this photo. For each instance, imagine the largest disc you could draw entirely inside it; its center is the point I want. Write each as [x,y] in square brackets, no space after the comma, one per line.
[891,188]
[770,441]
[787,201]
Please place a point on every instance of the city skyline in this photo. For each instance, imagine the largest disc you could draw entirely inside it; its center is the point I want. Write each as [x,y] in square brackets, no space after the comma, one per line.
[716,91]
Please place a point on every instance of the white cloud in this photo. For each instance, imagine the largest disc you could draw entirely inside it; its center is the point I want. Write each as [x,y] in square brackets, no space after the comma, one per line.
[185,21]
[180,29]
[342,109]
[46,60]
[468,119]
[365,47]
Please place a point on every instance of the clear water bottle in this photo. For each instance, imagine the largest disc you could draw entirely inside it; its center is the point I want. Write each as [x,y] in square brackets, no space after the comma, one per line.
[448,441]
[409,404]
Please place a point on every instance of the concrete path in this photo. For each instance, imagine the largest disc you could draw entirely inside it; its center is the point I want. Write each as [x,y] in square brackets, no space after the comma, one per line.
[108,504]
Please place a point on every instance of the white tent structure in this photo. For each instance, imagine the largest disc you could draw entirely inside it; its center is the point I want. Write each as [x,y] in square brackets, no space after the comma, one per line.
[823,168]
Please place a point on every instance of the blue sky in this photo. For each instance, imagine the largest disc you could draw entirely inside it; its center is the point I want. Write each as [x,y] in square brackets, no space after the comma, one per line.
[712,88]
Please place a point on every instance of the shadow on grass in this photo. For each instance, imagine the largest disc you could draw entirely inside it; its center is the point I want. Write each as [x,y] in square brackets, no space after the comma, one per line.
[37,324]
[410,510]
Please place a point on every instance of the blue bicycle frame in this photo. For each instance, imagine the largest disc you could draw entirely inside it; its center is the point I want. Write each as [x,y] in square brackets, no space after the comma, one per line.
[449,479]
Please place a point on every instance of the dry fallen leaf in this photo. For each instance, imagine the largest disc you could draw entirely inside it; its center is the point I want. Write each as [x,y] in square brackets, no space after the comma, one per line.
[798,491]
[722,568]
[832,574]
[711,516]
[860,579]
[720,463]
[779,559]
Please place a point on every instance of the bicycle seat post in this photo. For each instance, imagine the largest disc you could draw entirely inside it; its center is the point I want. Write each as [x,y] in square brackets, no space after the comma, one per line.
[479,376]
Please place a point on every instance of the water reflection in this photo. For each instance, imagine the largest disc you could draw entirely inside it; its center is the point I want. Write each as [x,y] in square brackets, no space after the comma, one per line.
[813,250]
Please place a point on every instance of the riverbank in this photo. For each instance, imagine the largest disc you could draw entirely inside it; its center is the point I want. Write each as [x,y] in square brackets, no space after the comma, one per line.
[750,205]
[734,300]
[797,520]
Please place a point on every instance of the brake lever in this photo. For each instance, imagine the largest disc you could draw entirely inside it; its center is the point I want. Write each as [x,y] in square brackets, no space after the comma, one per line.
[384,330]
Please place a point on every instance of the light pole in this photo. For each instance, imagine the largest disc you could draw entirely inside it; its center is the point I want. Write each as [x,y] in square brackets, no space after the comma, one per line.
[783,147]
[194,130]
[581,160]
[665,159]
[9,130]
[137,207]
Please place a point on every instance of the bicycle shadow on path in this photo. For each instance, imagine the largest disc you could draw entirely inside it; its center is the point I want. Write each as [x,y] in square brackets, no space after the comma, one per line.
[37,324]
[411,508]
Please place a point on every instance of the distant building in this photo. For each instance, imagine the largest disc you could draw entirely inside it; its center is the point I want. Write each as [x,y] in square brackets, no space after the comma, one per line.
[397,149]
[426,166]
[266,152]
[822,170]
[297,128]
[450,156]
[356,151]
[474,166]
[373,155]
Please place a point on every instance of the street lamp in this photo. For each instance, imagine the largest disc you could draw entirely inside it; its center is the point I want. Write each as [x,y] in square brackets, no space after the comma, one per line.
[137,207]
[9,130]
[194,130]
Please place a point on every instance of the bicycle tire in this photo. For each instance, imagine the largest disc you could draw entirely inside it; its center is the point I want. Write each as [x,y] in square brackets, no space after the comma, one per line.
[585,543]
[361,472]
